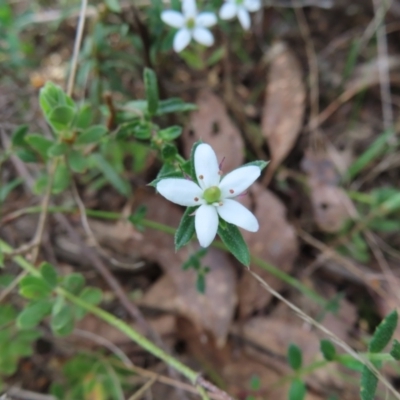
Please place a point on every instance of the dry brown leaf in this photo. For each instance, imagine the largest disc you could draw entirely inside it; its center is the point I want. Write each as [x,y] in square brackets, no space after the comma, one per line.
[213,311]
[284,104]
[212,124]
[275,242]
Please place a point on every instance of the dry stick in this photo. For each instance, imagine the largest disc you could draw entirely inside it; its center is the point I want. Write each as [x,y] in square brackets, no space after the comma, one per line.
[330,334]
[383,66]
[138,394]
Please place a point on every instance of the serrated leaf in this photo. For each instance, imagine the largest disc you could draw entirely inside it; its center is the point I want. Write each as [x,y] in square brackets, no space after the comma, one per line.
[327,349]
[91,135]
[61,117]
[77,161]
[395,352]
[57,149]
[32,287]
[171,133]
[297,390]
[295,356]
[235,243]
[151,87]
[39,143]
[368,385]
[73,283]
[185,229]
[49,274]
[33,313]
[383,333]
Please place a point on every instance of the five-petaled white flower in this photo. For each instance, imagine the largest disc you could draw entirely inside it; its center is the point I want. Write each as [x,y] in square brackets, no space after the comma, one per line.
[190,25]
[239,8]
[213,195]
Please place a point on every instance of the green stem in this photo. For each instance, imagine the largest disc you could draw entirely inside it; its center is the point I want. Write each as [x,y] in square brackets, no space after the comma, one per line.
[111,320]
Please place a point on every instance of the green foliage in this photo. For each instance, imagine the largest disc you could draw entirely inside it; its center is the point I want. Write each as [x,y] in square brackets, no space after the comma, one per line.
[186,229]
[297,390]
[91,135]
[73,283]
[151,86]
[194,262]
[328,349]
[34,313]
[33,287]
[383,333]
[171,133]
[295,356]
[395,352]
[49,274]
[234,242]
[137,217]
[369,384]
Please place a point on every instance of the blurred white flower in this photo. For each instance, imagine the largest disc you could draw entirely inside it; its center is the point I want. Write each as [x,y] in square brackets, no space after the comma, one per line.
[212,195]
[239,9]
[190,24]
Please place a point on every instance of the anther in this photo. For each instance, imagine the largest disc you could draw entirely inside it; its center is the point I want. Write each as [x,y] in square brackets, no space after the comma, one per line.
[220,203]
[231,191]
[201,177]
[196,199]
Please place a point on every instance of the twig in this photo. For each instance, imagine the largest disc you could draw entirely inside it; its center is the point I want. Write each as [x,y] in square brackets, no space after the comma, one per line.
[138,394]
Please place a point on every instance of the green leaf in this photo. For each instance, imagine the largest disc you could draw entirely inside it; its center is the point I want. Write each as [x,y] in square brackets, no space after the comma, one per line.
[113,5]
[258,163]
[111,175]
[62,178]
[18,136]
[49,274]
[150,84]
[297,390]
[73,283]
[32,287]
[62,319]
[84,117]
[295,356]
[142,131]
[169,152]
[235,243]
[39,143]
[34,313]
[61,117]
[185,229]
[1,264]
[352,364]
[7,188]
[77,161]
[383,333]
[91,296]
[171,133]
[51,96]
[328,349]
[27,155]
[173,105]
[92,135]
[57,149]
[395,352]
[369,384]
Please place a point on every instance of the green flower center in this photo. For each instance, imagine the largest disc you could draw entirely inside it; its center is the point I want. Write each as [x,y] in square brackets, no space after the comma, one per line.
[212,194]
[190,23]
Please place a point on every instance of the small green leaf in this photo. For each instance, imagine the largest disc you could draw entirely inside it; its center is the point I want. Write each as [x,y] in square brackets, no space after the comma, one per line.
[113,5]
[57,149]
[171,133]
[92,135]
[18,136]
[395,352]
[150,84]
[84,117]
[235,243]
[27,155]
[73,283]
[62,319]
[185,230]
[49,274]
[61,117]
[352,364]
[51,96]
[7,188]
[142,131]
[62,178]
[297,390]
[91,296]
[369,384]
[383,333]
[32,287]
[173,105]
[77,161]
[328,349]
[39,143]
[169,152]
[34,313]
[295,356]
[258,163]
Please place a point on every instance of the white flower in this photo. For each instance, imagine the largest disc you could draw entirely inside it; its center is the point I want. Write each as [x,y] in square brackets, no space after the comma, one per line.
[190,25]
[212,195]
[240,9]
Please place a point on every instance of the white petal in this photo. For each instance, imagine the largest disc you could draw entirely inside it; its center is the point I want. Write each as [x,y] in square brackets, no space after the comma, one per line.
[252,5]
[206,224]
[180,191]
[182,39]
[237,181]
[206,166]
[173,18]
[244,18]
[203,36]
[206,19]
[189,8]
[228,11]
[233,212]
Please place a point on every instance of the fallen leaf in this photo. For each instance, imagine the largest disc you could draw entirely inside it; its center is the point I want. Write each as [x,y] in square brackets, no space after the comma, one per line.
[275,242]
[212,124]
[284,105]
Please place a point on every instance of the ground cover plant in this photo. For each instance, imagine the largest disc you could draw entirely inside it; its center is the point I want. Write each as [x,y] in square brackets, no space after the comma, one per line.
[199,200]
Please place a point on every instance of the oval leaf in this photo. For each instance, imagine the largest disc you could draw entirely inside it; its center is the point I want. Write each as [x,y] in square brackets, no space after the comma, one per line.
[383,333]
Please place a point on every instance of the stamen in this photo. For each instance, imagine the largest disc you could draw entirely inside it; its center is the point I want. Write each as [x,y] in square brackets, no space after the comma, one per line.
[231,191]
[220,165]
[196,199]
[221,203]
[201,177]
